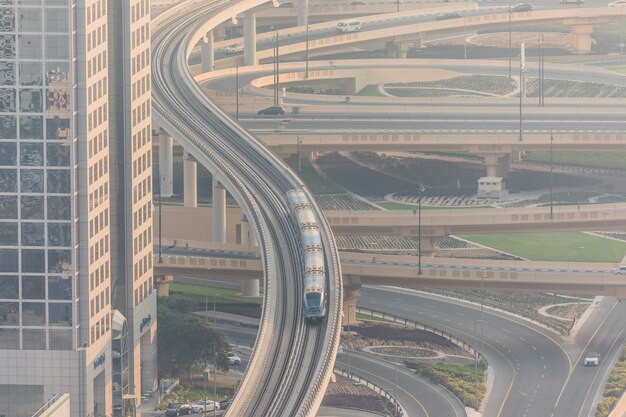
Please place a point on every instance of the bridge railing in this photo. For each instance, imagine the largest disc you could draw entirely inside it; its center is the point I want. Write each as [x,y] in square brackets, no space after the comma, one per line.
[398,411]
[407,322]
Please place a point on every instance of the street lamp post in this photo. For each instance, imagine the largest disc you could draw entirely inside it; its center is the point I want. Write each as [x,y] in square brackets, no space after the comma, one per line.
[347,346]
[510,42]
[160,211]
[475,366]
[298,162]
[551,177]
[421,189]
[237,89]
[482,313]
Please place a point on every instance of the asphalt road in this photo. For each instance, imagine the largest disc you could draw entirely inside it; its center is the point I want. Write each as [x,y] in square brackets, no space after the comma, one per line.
[419,397]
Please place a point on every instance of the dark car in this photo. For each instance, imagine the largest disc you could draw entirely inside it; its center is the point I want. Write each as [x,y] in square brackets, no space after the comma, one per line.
[179,410]
[272,111]
[224,404]
[448,15]
[286,5]
[522,7]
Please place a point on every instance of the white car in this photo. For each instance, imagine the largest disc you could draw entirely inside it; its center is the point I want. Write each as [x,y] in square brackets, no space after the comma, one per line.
[201,406]
[233,359]
[620,270]
[233,49]
[617,3]
[592,359]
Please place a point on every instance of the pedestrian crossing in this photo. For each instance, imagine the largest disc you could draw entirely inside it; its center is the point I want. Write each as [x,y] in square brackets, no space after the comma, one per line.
[573,350]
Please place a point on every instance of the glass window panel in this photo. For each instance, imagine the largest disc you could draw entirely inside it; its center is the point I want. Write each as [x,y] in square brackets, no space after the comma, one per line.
[31,100]
[8,260]
[57,47]
[60,314]
[32,207]
[30,73]
[8,234]
[58,100]
[33,288]
[7,20]
[8,181]
[33,234]
[8,127]
[9,287]
[59,181]
[59,261]
[60,339]
[31,154]
[9,313]
[30,21]
[57,20]
[33,314]
[33,339]
[59,208]
[7,73]
[7,46]
[8,207]
[31,180]
[59,234]
[8,151]
[57,155]
[30,46]
[9,338]
[31,127]
[33,260]
[59,288]
[57,128]
[57,74]
[7,100]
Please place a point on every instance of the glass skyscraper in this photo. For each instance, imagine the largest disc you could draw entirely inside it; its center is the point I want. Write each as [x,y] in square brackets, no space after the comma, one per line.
[75,203]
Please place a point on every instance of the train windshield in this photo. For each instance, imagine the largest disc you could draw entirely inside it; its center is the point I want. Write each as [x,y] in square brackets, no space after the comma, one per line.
[313,301]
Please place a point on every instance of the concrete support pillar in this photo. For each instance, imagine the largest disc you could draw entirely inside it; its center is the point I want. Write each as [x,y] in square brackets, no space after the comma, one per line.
[497,164]
[303,12]
[166,164]
[249,287]
[163,284]
[190,173]
[580,38]
[207,53]
[350,294]
[394,49]
[249,39]
[219,212]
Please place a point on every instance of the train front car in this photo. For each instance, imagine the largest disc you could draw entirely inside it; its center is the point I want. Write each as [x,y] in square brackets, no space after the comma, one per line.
[313,254]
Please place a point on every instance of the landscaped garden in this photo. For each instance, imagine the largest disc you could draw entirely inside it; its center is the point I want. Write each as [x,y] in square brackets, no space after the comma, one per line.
[482,85]
[615,160]
[614,388]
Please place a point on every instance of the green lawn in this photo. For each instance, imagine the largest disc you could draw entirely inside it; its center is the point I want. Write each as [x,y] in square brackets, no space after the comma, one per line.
[222,295]
[363,316]
[556,246]
[594,159]
[316,183]
[370,90]
[621,70]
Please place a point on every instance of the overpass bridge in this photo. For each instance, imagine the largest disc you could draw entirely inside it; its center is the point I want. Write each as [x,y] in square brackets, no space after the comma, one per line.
[397,270]
[186,224]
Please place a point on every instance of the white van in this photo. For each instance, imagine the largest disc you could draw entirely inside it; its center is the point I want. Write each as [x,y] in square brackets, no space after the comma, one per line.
[346,26]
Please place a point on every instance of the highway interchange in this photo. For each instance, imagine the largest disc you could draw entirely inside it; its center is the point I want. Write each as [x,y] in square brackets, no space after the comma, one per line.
[535,374]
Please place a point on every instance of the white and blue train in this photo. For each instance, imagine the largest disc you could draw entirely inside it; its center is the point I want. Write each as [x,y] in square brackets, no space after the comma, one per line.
[313,253]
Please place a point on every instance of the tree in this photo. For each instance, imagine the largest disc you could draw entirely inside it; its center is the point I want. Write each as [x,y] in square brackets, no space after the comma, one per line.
[185,339]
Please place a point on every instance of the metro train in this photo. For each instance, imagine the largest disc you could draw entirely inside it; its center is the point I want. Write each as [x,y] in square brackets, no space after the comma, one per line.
[313,253]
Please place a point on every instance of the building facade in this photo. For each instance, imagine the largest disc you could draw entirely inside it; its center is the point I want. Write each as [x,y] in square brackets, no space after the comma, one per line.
[75,214]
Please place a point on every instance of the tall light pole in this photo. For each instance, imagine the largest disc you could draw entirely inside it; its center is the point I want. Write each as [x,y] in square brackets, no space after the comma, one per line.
[421,189]
[214,360]
[510,42]
[551,178]
[237,88]
[482,313]
[298,162]
[306,50]
[160,211]
[347,346]
[475,367]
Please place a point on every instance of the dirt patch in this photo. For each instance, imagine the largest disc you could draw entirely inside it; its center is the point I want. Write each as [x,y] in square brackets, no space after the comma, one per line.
[350,394]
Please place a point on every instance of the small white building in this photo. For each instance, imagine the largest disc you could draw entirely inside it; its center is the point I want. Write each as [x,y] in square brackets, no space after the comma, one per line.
[491,187]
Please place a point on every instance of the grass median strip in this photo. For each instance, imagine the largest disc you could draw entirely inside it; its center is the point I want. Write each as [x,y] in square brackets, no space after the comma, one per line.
[615,387]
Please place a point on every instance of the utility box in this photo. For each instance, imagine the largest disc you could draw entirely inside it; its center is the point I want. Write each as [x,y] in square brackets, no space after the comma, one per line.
[491,187]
